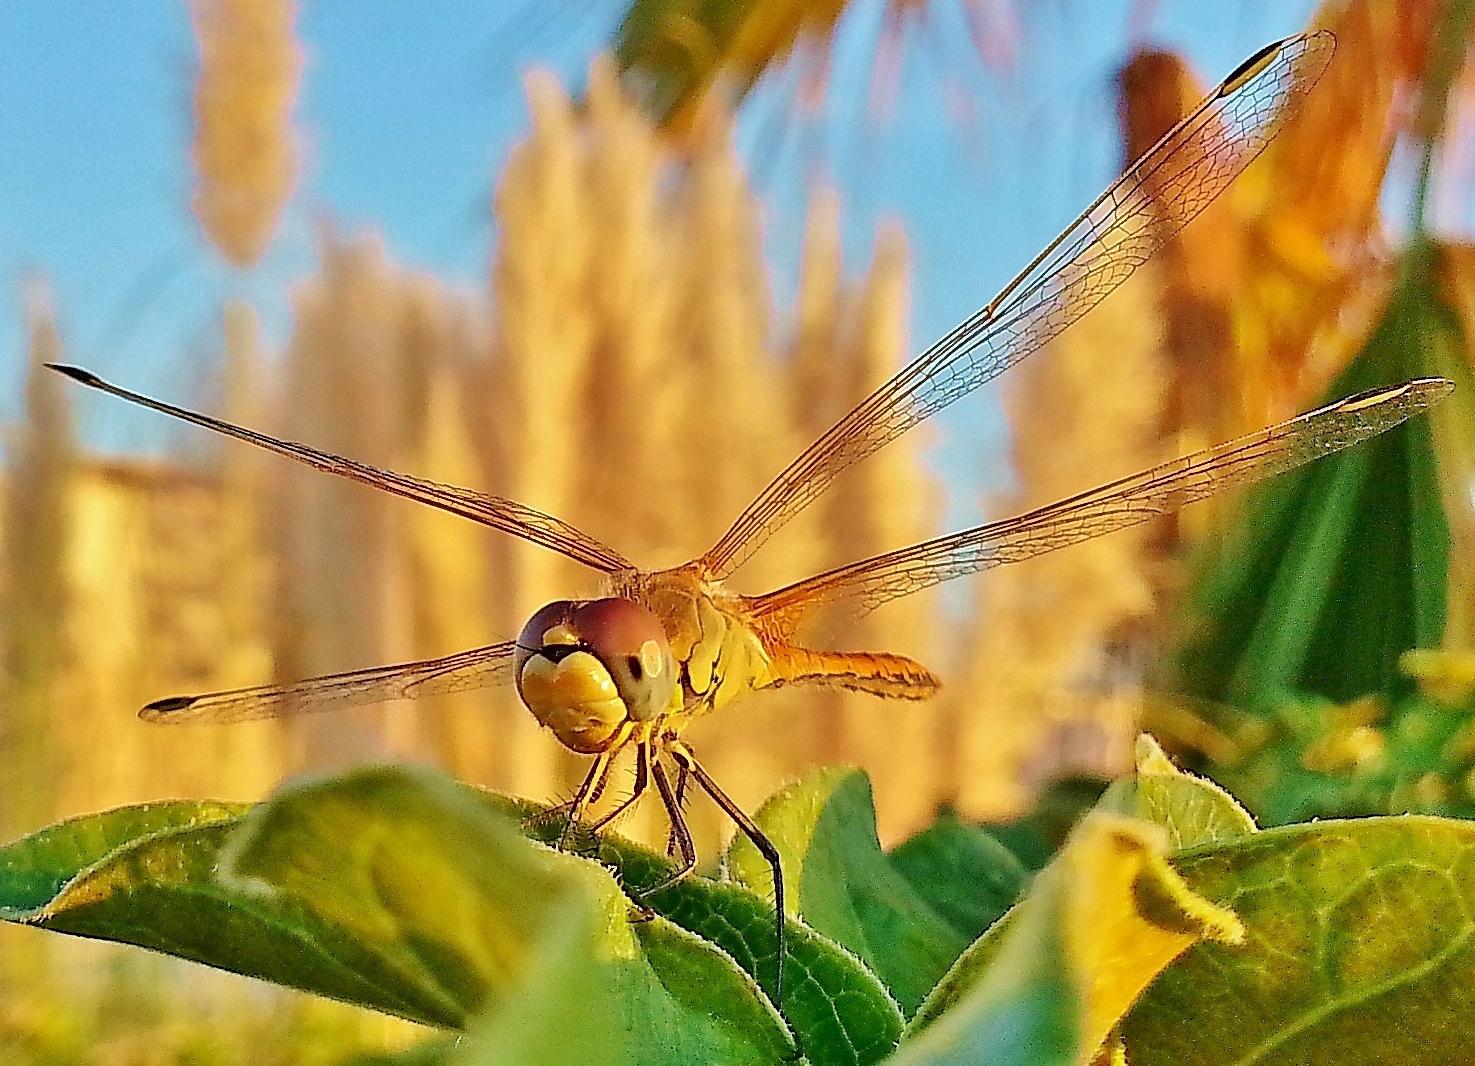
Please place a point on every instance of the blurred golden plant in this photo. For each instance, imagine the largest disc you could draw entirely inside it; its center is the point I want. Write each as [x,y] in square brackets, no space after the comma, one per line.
[1271,290]
[35,523]
[100,1004]
[355,382]
[846,343]
[36,526]
[1313,238]
[1052,682]
[244,156]
[1269,294]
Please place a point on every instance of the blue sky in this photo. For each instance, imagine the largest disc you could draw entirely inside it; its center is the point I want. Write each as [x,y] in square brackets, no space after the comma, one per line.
[407,113]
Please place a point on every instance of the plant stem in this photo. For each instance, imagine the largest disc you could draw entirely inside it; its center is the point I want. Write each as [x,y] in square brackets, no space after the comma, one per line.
[1446,57]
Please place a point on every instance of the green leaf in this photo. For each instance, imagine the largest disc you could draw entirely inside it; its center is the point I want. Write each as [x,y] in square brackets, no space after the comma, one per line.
[1359,949]
[671,52]
[1194,810]
[966,876]
[400,890]
[1341,566]
[841,882]
[1035,838]
[840,1013]
[31,875]
[426,1053]
[1051,981]
[1024,1012]
[579,1008]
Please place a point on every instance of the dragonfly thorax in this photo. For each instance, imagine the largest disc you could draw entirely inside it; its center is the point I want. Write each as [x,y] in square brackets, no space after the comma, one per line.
[718,652]
[591,670]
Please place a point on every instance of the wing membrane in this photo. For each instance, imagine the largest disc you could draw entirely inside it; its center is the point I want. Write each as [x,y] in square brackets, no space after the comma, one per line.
[1254,457]
[507,515]
[1156,197]
[477,668]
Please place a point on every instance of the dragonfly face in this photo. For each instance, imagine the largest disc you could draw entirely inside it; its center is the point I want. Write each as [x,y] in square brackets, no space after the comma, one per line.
[629,670]
[593,672]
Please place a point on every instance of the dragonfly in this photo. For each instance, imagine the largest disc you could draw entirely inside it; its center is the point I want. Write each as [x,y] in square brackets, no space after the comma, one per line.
[629,669]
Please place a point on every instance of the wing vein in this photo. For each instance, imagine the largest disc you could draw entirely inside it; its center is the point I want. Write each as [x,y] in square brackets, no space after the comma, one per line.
[1155,198]
[1127,501]
[500,513]
[477,668]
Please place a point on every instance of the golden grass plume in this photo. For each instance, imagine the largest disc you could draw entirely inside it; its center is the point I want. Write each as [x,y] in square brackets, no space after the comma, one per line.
[244,156]
[1052,682]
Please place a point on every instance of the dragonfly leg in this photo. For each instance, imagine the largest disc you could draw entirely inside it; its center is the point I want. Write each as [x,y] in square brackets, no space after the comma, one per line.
[679,829]
[683,775]
[685,759]
[642,782]
[602,783]
[589,790]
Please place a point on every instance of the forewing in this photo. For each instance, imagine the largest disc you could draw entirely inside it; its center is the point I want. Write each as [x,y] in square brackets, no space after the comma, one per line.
[1254,457]
[1156,197]
[477,668]
[507,515]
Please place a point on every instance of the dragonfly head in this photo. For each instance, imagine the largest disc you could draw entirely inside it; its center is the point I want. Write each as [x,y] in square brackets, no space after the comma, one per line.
[586,667]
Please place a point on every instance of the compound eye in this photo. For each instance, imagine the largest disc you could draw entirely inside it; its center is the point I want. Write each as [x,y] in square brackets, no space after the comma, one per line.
[550,624]
[632,644]
[654,657]
[651,662]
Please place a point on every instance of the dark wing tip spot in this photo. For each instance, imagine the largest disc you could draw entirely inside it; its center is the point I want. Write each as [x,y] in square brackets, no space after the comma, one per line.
[636,670]
[76,373]
[1250,68]
[160,710]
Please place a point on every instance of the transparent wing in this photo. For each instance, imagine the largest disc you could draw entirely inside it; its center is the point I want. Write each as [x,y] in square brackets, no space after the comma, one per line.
[868,584]
[1156,197]
[465,670]
[507,515]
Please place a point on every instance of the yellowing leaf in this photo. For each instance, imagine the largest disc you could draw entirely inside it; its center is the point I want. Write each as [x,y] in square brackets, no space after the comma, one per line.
[1101,922]
[1128,916]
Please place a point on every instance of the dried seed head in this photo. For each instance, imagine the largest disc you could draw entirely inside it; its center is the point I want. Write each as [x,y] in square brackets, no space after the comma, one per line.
[245,161]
